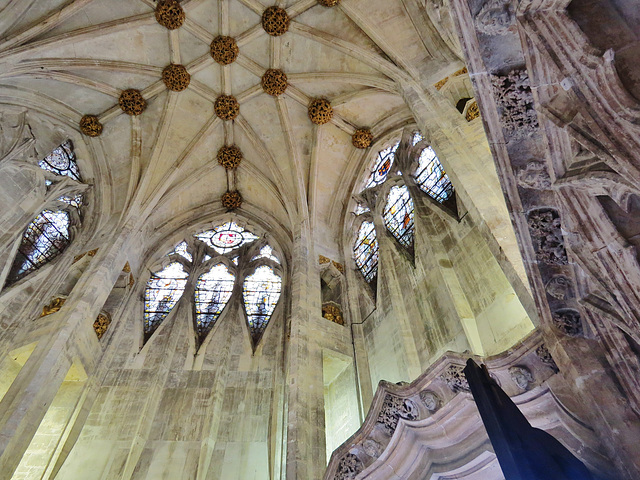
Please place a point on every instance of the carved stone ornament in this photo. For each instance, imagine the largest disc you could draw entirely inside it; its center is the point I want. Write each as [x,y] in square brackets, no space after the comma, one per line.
[170,14]
[322,260]
[54,306]
[90,253]
[320,111]
[521,376]
[362,138]
[559,287]
[224,50]
[473,111]
[348,467]
[127,268]
[90,126]
[230,156]
[431,400]
[332,313]
[275,21]
[131,102]
[441,83]
[274,82]
[175,77]
[232,200]
[496,17]
[545,357]
[393,409]
[338,266]
[568,321]
[328,3]
[455,379]
[546,232]
[534,176]
[101,325]
[513,93]
[227,107]
[372,448]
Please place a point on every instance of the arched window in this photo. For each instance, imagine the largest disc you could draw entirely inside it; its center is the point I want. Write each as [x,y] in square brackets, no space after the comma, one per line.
[48,234]
[398,215]
[163,291]
[365,251]
[213,291]
[261,294]
[430,175]
[215,273]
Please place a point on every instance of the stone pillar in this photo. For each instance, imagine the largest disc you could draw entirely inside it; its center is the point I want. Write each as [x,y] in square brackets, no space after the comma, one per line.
[27,400]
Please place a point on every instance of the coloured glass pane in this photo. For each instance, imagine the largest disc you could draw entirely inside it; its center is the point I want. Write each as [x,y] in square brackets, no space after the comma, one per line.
[44,239]
[227,237]
[163,291]
[431,177]
[365,251]
[213,291]
[62,161]
[382,166]
[398,215]
[261,294]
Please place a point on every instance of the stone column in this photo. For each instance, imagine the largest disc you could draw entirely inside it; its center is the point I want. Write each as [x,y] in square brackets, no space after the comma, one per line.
[27,400]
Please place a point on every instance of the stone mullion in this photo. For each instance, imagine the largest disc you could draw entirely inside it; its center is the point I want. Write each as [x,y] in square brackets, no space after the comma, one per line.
[27,400]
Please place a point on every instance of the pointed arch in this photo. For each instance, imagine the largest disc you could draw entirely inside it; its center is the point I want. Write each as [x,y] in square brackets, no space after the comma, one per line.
[261,292]
[398,215]
[430,175]
[213,291]
[163,291]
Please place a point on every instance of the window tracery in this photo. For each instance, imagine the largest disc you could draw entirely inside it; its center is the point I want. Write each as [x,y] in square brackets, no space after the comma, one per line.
[398,215]
[62,161]
[365,251]
[216,267]
[382,166]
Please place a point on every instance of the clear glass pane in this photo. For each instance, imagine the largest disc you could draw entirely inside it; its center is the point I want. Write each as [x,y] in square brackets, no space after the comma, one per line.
[266,252]
[431,177]
[62,161]
[365,251]
[181,249]
[212,294]
[398,215]
[163,291]
[227,237]
[261,294]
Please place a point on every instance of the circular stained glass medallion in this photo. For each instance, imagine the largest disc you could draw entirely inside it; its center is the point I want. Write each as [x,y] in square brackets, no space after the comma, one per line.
[226,239]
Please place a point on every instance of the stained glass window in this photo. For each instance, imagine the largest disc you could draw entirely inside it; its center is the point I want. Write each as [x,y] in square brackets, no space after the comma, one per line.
[431,177]
[398,215]
[227,237]
[44,239]
[75,201]
[365,251]
[360,209]
[266,252]
[181,249]
[62,161]
[163,291]
[213,291]
[261,294]
[382,166]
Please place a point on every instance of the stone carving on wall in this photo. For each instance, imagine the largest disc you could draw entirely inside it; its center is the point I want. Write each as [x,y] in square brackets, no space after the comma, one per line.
[545,229]
[559,287]
[431,400]
[513,93]
[393,409]
[568,321]
[90,253]
[54,306]
[349,466]
[455,379]
[101,324]
[333,313]
[496,17]
[521,376]
[545,357]
[372,448]
[323,260]
[339,266]
[534,176]
[473,111]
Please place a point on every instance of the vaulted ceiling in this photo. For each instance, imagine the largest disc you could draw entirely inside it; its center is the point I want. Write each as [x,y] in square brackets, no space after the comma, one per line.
[64,59]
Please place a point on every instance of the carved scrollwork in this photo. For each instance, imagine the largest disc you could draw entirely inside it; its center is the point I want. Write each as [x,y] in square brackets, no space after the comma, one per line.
[227,107]
[473,112]
[431,400]
[521,376]
[170,14]
[546,231]
[393,409]
[568,321]
[275,21]
[559,287]
[53,306]
[101,324]
[534,176]
[348,467]
[231,200]
[320,111]
[362,138]
[90,126]
[496,17]
[229,156]
[513,93]
[274,82]
[131,102]
[455,378]
[224,50]
[175,77]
